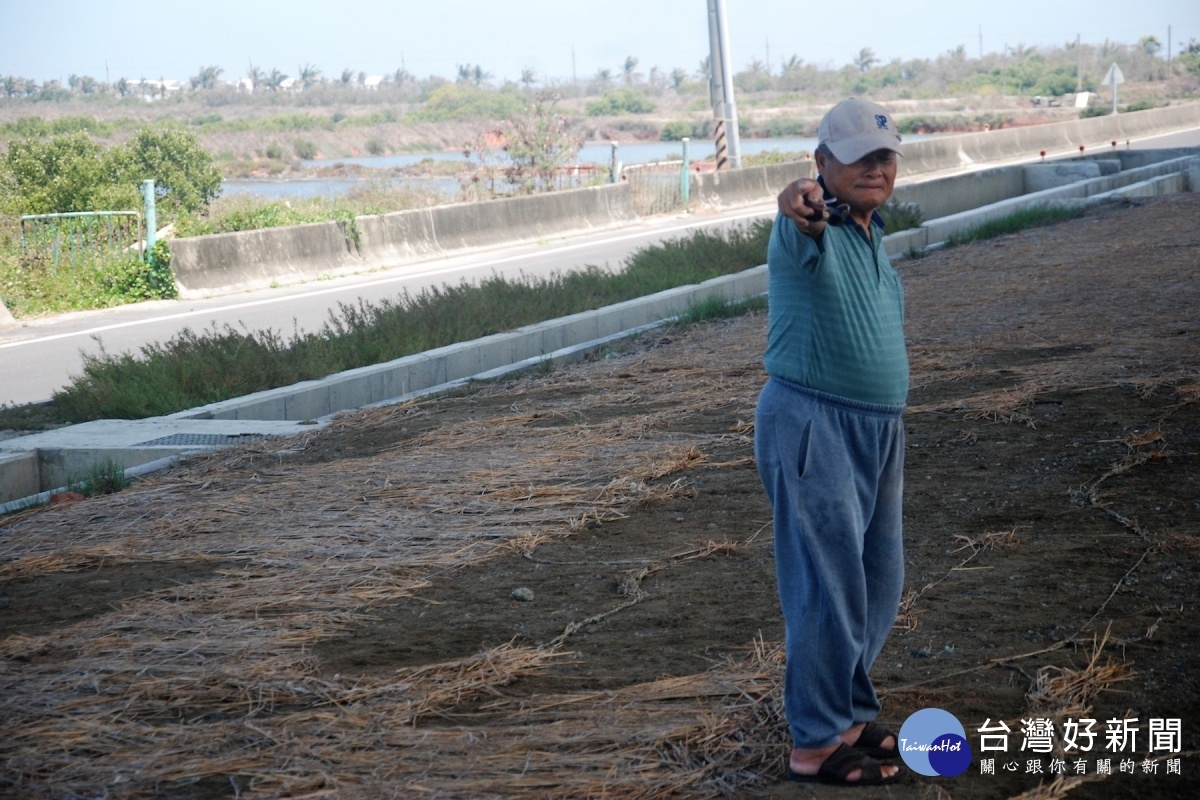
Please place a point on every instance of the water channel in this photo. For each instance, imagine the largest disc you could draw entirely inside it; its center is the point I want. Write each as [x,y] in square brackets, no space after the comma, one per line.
[592,153]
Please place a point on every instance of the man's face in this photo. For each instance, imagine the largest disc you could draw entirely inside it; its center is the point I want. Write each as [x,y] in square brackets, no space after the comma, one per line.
[864,185]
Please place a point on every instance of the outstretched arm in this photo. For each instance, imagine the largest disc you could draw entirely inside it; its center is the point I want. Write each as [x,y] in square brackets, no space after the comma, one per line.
[802,201]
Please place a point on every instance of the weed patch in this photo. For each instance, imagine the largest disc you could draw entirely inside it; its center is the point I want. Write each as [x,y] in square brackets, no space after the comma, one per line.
[194,369]
[1017,221]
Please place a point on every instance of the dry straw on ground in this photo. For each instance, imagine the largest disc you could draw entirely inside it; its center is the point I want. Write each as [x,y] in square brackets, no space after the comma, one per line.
[217,677]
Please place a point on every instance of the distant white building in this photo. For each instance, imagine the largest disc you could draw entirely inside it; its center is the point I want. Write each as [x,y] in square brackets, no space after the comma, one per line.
[152,90]
[373,82]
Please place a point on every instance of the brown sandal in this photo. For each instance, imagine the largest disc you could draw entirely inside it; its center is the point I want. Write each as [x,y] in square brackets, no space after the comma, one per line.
[840,763]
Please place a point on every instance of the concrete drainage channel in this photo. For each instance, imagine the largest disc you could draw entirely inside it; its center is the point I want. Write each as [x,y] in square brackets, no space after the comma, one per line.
[34,467]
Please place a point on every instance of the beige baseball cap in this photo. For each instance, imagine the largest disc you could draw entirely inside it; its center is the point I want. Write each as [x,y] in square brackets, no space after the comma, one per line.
[853,128]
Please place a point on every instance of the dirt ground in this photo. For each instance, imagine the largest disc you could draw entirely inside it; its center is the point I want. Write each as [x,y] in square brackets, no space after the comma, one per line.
[562,584]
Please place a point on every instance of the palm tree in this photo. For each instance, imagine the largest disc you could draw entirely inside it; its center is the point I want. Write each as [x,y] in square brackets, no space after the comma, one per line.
[793,64]
[679,76]
[479,75]
[756,67]
[309,75]
[255,75]
[604,77]
[275,80]
[207,79]
[528,77]
[347,76]
[865,60]
[627,69]
[122,87]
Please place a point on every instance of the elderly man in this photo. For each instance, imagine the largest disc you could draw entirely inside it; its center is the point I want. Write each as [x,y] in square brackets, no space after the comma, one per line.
[830,444]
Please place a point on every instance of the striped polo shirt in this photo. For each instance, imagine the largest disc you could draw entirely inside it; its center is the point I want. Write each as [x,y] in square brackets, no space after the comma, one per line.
[836,313]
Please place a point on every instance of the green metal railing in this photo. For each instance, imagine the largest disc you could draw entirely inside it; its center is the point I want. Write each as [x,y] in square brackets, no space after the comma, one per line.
[658,187]
[84,237]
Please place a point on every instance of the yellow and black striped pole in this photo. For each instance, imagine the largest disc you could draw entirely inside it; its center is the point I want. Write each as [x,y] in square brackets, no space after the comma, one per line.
[721,89]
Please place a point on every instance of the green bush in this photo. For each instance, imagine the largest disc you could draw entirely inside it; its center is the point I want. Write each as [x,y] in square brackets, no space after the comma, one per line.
[620,101]
[185,178]
[70,172]
[64,173]
[274,151]
[376,146]
[900,216]
[304,149]
[453,101]
[134,281]
[676,130]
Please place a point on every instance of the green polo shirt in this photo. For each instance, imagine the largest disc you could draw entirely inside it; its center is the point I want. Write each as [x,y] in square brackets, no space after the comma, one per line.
[836,313]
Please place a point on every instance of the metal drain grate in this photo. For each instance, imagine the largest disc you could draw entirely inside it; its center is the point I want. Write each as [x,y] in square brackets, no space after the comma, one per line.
[202,440]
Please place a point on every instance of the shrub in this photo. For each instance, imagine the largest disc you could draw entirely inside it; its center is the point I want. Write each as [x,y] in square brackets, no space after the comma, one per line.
[620,101]
[376,147]
[900,216]
[275,150]
[676,130]
[304,149]
[185,178]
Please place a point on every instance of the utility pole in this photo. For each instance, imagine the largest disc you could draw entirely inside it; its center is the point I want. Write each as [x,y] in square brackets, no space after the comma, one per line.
[1168,52]
[1079,67]
[720,85]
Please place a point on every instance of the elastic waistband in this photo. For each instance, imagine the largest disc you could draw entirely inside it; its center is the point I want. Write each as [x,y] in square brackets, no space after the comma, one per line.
[878,409]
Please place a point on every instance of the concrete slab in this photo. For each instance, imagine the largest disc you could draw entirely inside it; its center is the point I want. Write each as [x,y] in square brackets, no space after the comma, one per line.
[53,459]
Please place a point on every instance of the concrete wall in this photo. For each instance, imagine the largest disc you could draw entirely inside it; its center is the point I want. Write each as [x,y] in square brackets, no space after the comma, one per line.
[748,185]
[943,196]
[258,259]
[947,153]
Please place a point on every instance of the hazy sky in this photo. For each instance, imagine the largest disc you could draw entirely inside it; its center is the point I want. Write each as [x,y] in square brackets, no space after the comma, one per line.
[43,39]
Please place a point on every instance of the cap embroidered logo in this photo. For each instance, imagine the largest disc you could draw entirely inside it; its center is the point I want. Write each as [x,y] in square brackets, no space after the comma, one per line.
[881,121]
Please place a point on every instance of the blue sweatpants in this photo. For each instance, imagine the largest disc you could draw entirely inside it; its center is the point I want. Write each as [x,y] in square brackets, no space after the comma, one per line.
[834,471]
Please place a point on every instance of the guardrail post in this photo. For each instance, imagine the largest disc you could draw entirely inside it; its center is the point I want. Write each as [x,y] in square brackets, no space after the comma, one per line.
[151,220]
[685,177]
[615,175]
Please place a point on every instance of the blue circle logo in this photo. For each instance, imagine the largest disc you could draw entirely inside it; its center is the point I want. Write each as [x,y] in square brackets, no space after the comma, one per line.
[933,742]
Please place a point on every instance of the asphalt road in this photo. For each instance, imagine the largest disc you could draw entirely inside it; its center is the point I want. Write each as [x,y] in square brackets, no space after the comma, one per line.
[40,356]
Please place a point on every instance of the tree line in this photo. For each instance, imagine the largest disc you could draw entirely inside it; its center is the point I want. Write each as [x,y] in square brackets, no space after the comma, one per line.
[1017,70]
